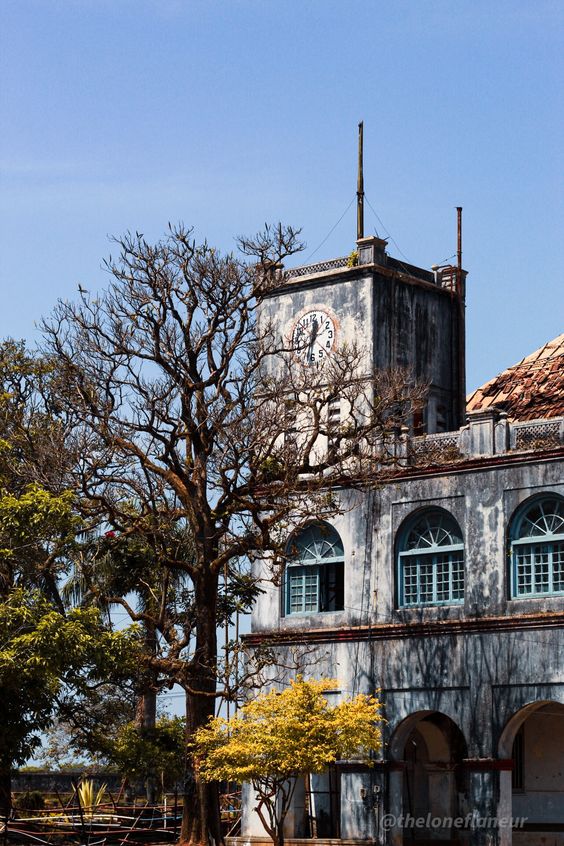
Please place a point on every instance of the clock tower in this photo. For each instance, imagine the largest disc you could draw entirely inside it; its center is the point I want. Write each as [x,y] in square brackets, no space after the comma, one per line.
[404,316]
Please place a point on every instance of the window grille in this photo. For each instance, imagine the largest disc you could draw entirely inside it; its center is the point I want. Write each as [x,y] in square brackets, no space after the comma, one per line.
[537,548]
[431,561]
[323,803]
[314,576]
[537,434]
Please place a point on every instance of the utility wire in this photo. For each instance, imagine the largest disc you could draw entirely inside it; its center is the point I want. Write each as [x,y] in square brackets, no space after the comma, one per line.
[331,230]
[388,233]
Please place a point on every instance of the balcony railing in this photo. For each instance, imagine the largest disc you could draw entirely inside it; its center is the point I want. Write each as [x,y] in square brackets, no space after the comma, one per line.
[537,434]
[443,446]
[487,433]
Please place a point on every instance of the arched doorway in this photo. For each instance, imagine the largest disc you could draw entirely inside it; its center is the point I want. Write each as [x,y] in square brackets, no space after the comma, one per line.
[432,785]
[534,739]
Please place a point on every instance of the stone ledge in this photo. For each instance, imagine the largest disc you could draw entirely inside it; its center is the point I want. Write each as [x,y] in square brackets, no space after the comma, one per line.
[418,628]
[254,840]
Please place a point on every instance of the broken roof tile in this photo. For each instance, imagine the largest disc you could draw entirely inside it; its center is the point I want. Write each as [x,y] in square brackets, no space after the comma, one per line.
[529,390]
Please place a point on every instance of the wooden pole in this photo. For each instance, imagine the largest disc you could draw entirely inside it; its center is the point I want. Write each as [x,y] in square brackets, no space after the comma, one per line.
[360,185]
[225,579]
[461,369]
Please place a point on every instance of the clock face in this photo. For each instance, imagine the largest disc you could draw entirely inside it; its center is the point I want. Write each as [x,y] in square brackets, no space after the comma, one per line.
[314,335]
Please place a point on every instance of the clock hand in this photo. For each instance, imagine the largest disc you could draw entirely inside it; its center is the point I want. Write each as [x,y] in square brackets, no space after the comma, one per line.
[313,336]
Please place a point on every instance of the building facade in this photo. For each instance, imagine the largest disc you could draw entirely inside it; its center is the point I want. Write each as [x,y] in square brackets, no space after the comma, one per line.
[443,589]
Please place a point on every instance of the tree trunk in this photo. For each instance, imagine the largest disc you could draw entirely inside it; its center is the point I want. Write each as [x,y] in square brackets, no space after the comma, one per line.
[146,720]
[5,791]
[201,820]
[146,716]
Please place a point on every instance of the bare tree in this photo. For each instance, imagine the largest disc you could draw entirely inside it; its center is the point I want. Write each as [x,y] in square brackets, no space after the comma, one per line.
[194,413]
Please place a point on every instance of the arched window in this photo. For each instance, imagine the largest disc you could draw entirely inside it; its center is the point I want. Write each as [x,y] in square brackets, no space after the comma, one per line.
[314,576]
[431,560]
[537,547]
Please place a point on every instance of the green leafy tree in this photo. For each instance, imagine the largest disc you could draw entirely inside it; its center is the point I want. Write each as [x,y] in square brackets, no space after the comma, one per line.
[87,723]
[157,752]
[280,736]
[42,652]
[37,533]
[46,653]
[34,444]
[109,570]
[38,518]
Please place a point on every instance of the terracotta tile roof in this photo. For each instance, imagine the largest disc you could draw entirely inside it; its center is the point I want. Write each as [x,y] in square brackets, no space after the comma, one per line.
[531,389]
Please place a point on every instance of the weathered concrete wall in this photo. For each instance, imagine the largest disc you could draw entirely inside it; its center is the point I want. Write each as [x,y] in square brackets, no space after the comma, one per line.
[482,501]
[350,300]
[48,781]
[416,329]
[477,663]
[402,322]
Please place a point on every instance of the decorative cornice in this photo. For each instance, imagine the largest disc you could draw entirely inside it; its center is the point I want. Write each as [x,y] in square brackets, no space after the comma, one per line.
[359,271]
[401,631]
[471,464]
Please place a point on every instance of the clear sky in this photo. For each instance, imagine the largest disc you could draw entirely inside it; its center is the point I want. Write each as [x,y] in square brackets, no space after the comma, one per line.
[125,114]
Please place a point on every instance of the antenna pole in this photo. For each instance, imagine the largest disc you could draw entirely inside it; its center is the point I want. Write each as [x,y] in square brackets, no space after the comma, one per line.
[460,323]
[459,241]
[360,186]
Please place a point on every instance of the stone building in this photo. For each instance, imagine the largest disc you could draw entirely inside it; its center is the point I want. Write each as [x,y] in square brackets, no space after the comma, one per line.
[444,589]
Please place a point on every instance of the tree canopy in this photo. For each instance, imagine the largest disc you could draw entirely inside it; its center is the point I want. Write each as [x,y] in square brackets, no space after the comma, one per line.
[189,416]
[281,735]
[156,753]
[44,651]
[47,652]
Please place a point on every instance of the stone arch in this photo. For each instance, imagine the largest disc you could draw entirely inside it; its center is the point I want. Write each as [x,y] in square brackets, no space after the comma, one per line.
[426,750]
[435,732]
[401,734]
[514,723]
[536,788]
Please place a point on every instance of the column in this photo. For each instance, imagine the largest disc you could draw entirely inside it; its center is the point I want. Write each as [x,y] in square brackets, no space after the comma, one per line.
[488,822]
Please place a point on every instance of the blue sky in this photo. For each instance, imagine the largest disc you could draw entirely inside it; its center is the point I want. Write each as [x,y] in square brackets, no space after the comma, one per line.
[123,114]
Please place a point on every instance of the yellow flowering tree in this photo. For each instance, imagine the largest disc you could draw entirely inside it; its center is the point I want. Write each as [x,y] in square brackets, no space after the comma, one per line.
[279,736]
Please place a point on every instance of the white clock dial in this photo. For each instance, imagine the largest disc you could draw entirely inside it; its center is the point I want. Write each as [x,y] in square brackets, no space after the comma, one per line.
[314,335]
